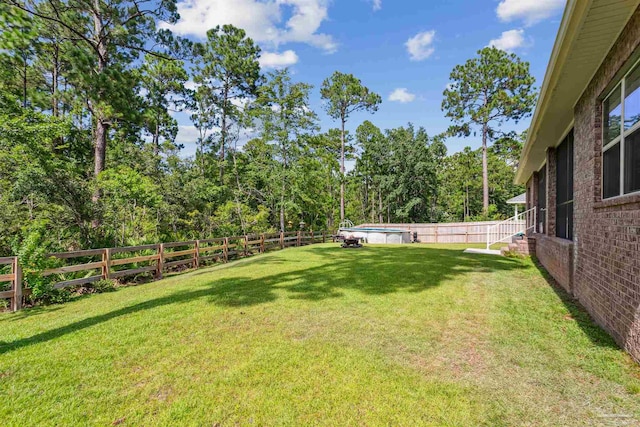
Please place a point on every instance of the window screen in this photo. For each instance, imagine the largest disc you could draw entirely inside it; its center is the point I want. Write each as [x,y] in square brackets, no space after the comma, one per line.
[542,199]
[564,188]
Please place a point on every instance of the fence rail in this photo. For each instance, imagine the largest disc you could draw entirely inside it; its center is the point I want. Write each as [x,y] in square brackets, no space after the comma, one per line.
[157,259]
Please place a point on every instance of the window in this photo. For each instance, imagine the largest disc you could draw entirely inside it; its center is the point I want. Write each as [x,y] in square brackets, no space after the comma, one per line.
[542,198]
[564,188]
[621,137]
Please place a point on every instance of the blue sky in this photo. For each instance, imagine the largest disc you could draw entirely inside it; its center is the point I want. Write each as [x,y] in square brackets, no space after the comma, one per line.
[402,49]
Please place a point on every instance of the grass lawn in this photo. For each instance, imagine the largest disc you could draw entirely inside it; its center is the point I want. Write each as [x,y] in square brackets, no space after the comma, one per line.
[406,335]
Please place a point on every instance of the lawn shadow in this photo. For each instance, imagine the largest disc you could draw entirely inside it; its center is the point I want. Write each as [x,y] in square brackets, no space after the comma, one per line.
[578,313]
[28,312]
[369,270]
[380,270]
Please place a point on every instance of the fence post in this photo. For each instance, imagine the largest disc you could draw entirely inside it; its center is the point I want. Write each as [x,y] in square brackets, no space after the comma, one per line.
[106,264]
[299,237]
[282,240]
[262,243]
[196,255]
[324,237]
[225,249]
[466,234]
[246,240]
[17,285]
[312,239]
[436,234]
[160,265]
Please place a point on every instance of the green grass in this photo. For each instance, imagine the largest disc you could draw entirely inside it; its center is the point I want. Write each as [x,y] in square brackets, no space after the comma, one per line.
[411,335]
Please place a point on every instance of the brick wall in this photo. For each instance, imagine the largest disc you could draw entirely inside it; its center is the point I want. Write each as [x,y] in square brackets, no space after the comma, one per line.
[557,257]
[606,233]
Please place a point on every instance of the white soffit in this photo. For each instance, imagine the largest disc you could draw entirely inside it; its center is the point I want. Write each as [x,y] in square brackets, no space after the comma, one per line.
[588,30]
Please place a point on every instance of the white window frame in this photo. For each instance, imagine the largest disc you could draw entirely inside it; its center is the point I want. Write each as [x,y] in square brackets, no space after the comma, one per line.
[621,87]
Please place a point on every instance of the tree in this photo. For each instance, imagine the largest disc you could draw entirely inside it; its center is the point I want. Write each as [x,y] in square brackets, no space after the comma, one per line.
[509,147]
[107,36]
[163,81]
[18,43]
[410,178]
[228,73]
[487,91]
[285,117]
[461,190]
[371,166]
[345,95]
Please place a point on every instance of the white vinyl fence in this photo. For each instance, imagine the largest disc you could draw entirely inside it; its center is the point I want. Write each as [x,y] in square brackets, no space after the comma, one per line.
[452,232]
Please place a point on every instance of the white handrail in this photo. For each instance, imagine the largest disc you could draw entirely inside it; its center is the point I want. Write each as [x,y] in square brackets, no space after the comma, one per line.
[345,224]
[521,223]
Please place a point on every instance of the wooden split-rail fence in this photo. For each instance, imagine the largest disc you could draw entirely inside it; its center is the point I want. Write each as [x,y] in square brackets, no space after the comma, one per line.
[117,263]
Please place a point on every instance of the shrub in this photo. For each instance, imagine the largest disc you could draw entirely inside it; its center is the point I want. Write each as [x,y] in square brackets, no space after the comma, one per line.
[99,287]
[32,257]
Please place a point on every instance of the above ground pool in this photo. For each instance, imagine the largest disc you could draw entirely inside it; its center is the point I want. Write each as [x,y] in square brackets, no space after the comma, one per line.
[377,235]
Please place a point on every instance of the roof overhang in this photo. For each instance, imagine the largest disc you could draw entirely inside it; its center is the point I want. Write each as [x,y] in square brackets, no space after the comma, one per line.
[588,30]
[520,199]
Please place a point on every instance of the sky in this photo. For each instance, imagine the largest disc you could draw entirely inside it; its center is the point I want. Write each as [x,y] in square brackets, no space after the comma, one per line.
[403,50]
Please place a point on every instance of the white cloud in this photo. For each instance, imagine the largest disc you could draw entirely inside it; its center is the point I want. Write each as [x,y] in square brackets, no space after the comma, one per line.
[191,85]
[530,11]
[187,135]
[377,4]
[240,102]
[262,20]
[509,40]
[402,95]
[278,60]
[420,46]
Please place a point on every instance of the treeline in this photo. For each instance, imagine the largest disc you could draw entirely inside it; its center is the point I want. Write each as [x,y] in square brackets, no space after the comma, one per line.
[88,154]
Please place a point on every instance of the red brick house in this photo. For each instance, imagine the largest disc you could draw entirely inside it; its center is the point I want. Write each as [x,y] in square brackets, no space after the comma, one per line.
[581,164]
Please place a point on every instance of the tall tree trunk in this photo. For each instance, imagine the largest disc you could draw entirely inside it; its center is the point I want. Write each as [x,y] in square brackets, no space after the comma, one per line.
[100,145]
[55,93]
[223,131]
[239,191]
[380,213]
[330,220]
[283,188]
[365,203]
[54,81]
[101,121]
[485,172]
[156,138]
[24,80]
[222,144]
[465,214]
[342,177]
[372,207]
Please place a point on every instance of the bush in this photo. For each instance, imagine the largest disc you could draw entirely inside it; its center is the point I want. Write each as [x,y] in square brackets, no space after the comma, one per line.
[99,287]
[32,257]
